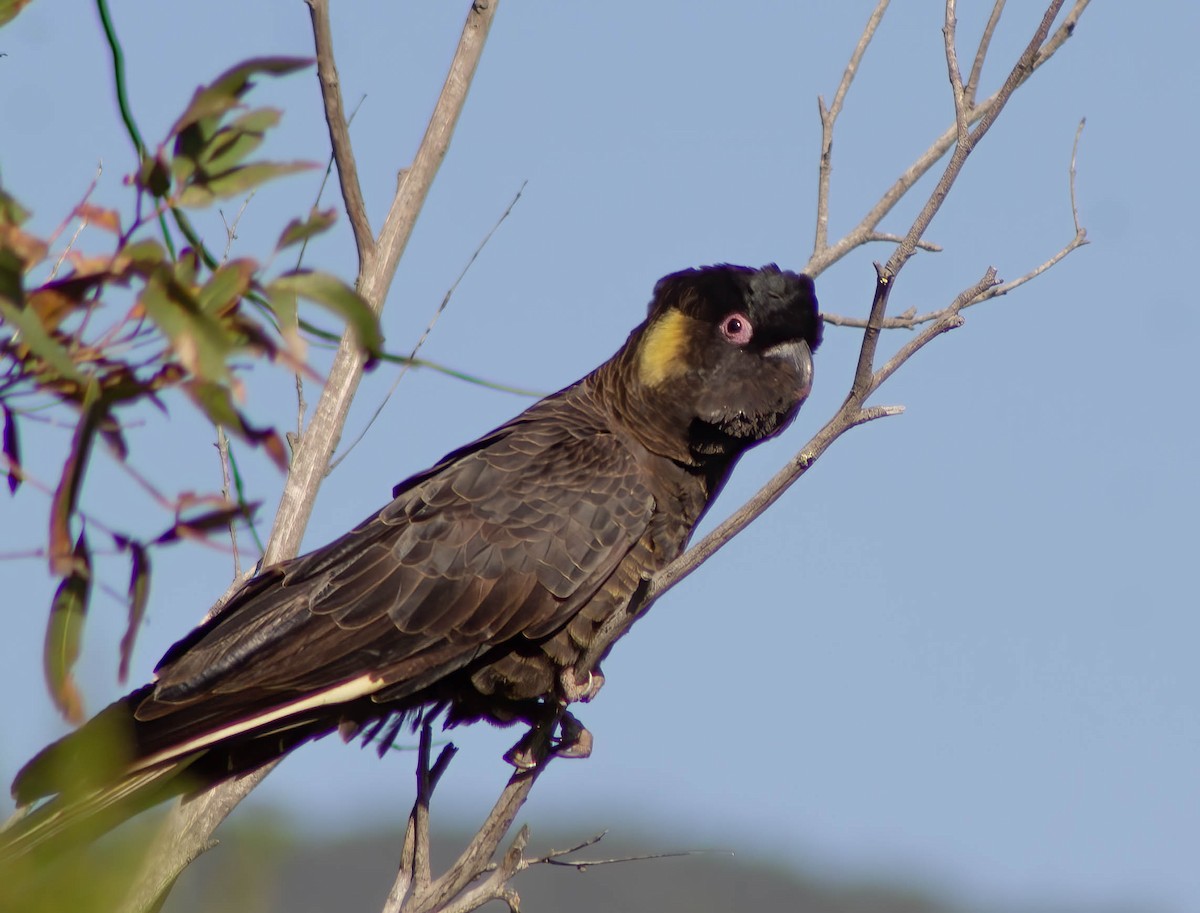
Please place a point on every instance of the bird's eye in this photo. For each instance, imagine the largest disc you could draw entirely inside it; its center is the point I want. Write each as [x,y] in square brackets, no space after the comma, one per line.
[737,329]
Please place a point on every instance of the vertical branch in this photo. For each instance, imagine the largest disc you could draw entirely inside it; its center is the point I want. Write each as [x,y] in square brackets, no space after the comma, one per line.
[1019,73]
[985,42]
[339,130]
[829,117]
[950,38]
[188,828]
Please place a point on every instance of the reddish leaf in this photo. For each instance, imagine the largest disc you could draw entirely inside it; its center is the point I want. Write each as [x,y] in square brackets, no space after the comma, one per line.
[12,449]
[64,633]
[100,217]
[201,525]
[139,593]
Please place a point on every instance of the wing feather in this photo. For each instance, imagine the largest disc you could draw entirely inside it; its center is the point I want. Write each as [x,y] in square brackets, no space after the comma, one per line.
[503,539]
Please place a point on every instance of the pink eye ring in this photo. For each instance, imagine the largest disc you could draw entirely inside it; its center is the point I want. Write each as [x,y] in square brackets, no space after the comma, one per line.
[737,328]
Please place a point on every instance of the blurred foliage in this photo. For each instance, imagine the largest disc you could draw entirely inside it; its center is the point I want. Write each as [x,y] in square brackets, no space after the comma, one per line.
[96,877]
[150,313]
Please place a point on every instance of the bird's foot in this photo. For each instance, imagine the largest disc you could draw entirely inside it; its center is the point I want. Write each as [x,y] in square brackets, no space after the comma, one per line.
[539,744]
[573,689]
[574,739]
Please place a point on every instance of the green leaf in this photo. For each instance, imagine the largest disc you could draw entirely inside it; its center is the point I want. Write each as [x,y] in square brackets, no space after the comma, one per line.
[226,287]
[64,632]
[201,344]
[297,230]
[139,594]
[143,256]
[334,295]
[9,10]
[40,342]
[223,93]
[11,212]
[66,494]
[231,145]
[205,189]
[154,176]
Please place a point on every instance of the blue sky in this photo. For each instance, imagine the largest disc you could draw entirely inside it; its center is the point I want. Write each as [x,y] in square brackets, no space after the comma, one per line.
[962,649]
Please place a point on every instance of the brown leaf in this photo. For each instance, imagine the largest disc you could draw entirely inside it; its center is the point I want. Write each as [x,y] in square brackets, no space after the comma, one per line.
[100,217]
[199,526]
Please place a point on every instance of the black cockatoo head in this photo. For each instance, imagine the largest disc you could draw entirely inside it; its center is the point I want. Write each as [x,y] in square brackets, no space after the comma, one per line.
[724,359]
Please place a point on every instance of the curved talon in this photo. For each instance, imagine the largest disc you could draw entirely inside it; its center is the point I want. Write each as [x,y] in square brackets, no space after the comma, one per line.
[574,690]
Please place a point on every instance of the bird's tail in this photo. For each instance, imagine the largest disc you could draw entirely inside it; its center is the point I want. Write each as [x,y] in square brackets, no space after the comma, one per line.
[89,782]
[67,820]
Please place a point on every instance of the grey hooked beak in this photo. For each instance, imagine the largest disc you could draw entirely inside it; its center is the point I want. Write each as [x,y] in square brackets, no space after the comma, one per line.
[799,356]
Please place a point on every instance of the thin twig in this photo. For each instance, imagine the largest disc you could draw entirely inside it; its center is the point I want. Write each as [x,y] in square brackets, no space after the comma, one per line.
[1071,176]
[226,488]
[910,320]
[829,117]
[866,379]
[231,227]
[985,42]
[339,130]
[554,857]
[823,259]
[412,356]
[950,39]
[890,238]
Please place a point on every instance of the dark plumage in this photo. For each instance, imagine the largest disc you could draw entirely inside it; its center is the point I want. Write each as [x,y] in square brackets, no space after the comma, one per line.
[479,587]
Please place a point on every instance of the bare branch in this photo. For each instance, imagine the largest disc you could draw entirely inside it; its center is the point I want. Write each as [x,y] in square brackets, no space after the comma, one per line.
[339,130]
[950,320]
[226,490]
[554,857]
[185,834]
[1071,177]
[829,117]
[823,259]
[890,238]
[910,320]
[985,41]
[866,379]
[962,149]
[950,37]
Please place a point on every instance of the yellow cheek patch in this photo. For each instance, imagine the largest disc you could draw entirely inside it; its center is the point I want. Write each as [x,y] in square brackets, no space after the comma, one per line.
[664,350]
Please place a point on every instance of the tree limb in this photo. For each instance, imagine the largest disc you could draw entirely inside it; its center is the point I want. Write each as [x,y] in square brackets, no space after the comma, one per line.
[188,828]
[866,378]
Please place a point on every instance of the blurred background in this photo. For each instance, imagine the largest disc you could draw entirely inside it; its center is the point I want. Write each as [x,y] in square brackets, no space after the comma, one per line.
[959,656]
